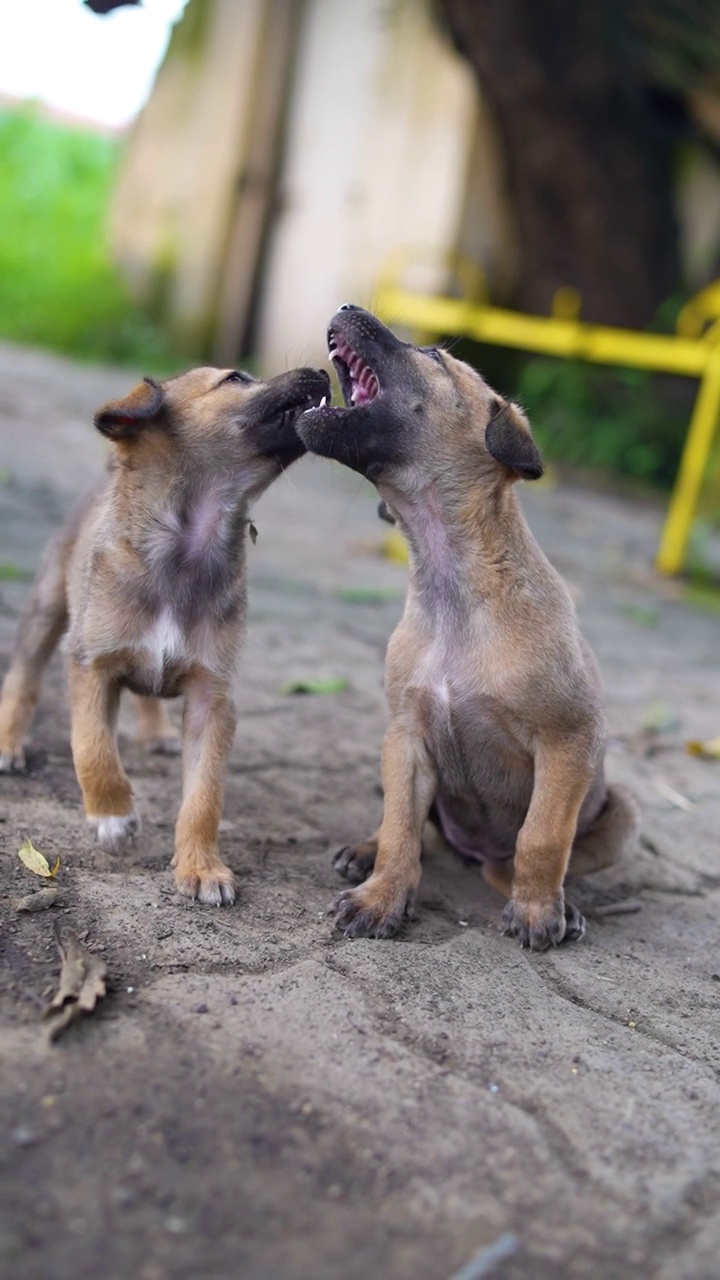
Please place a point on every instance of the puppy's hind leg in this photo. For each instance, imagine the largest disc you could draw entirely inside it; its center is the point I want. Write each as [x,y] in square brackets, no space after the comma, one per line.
[208,732]
[107,794]
[612,835]
[41,626]
[155,730]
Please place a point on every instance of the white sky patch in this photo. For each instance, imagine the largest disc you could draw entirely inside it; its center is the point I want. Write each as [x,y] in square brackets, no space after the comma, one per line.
[98,67]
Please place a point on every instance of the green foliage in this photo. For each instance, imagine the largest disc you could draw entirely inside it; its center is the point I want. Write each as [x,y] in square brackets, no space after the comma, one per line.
[613,420]
[678,41]
[59,288]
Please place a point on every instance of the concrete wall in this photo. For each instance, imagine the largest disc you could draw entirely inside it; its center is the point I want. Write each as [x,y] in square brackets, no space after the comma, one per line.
[380,128]
[178,187]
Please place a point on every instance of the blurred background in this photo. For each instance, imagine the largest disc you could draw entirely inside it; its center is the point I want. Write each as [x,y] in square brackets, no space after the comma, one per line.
[208,180]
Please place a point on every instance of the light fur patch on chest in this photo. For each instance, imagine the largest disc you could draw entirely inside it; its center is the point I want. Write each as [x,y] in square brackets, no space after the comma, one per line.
[164,642]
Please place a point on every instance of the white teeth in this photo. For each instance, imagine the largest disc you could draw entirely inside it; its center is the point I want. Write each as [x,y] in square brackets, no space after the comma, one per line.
[314,407]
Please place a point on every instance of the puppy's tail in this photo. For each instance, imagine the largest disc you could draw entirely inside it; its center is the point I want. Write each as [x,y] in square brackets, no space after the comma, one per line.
[611,837]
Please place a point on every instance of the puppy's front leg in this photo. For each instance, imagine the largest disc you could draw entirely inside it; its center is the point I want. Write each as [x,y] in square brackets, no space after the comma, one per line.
[107,794]
[208,732]
[377,908]
[537,913]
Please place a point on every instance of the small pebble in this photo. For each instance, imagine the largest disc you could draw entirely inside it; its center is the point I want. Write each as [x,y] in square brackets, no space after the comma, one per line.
[200,1008]
[176,1226]
[23,1137]
[122,1196]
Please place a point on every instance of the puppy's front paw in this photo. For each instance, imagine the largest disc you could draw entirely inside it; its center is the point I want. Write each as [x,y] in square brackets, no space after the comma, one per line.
[356,861]
[213,885]
[374,910]
[12,759]
[542,925]
[115,831]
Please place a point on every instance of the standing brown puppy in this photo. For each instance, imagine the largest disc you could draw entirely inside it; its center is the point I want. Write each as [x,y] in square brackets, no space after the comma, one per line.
[148,578]
[496,723]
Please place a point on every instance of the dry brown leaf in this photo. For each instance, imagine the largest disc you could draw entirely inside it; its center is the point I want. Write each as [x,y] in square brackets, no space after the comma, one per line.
[36,861]
[82,983]
[39,901]
[709,750]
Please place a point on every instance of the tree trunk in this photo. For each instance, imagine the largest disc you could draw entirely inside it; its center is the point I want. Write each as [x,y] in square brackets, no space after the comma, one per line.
[588,166]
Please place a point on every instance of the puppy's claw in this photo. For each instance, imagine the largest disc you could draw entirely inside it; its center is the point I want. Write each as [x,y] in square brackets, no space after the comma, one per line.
[357,918]
[541,927]
[214,888]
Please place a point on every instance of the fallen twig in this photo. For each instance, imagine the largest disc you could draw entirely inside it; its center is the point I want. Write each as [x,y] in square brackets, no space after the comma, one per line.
[626,908]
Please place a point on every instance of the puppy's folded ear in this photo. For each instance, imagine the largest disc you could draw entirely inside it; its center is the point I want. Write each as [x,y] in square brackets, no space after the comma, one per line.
[509,440]
[123,419]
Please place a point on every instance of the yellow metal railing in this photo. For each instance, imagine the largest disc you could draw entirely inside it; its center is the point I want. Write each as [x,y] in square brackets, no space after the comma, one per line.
[693,351]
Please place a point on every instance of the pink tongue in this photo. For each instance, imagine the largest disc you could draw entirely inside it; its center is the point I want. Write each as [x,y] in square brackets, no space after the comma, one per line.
[365,389]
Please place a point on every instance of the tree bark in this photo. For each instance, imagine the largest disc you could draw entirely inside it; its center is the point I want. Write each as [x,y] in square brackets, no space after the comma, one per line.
[587,164]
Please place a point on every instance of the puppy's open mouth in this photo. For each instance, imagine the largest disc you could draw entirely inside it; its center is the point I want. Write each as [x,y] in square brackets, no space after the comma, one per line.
[358,382]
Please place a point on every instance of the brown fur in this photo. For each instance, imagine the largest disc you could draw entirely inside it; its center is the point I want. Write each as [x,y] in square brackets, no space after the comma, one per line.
[496,720]
[148,578]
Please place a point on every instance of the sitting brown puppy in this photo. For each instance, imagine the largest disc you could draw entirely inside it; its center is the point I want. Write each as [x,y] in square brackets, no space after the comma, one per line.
[148,577]
[496,723]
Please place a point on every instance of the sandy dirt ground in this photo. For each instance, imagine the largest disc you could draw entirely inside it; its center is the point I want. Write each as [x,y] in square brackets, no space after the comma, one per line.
[259,1098]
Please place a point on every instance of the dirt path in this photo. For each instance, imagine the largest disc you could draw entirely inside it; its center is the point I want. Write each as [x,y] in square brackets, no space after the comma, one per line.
[257,1098]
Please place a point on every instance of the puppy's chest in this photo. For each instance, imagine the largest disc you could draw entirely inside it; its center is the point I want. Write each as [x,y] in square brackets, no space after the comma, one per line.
[194,548]
[165,649]
[465,724]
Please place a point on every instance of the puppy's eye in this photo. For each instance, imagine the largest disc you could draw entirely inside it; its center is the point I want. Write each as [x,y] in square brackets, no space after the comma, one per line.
[434,354]
[235,376]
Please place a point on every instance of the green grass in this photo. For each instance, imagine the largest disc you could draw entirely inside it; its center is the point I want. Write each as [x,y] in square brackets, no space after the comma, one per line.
[611,420]
[59,288]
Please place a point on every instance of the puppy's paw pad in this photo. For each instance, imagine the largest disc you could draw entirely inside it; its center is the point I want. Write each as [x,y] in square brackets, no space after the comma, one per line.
[214,888]
[115,831]
[353,864]
[13,760]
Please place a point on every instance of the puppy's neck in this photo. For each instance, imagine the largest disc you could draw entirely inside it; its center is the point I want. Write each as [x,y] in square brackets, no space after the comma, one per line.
[463,549]
[189,532]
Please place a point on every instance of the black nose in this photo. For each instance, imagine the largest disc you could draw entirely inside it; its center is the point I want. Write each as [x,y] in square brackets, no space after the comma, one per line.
[348,306]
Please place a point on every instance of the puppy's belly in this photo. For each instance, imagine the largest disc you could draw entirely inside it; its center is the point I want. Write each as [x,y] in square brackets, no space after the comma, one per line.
[464,824]
[151,683]
[485,777]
